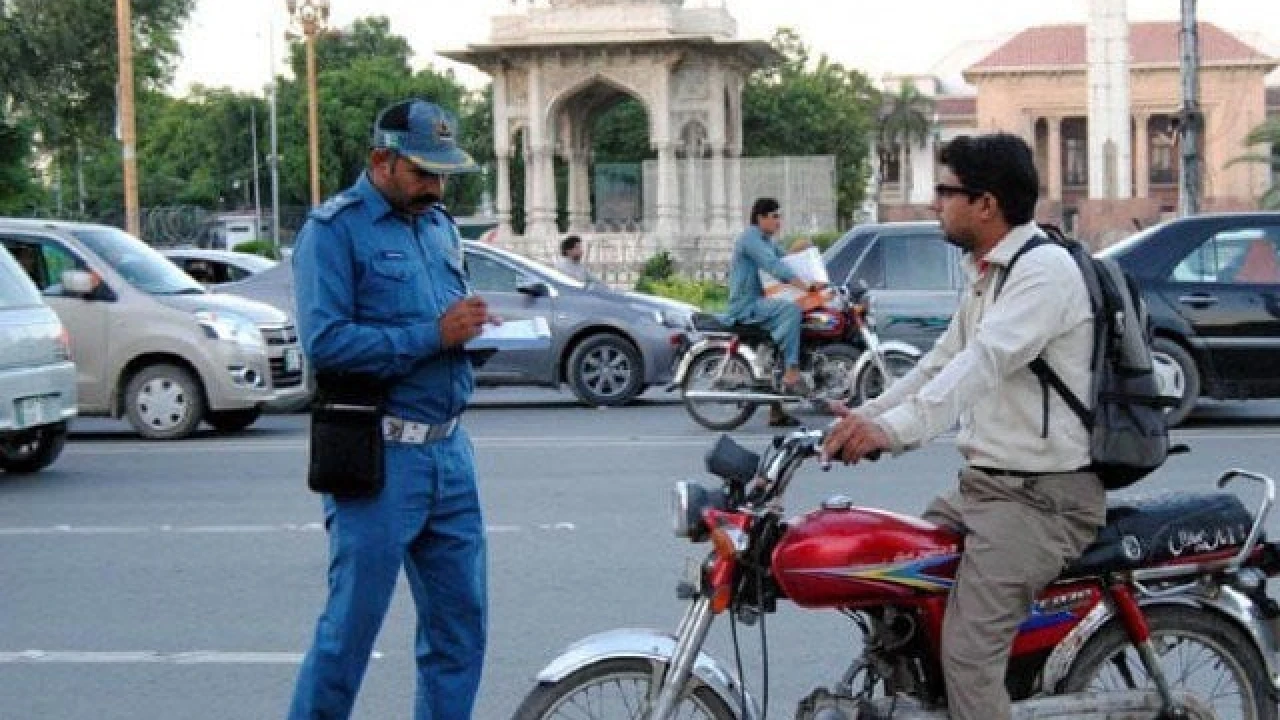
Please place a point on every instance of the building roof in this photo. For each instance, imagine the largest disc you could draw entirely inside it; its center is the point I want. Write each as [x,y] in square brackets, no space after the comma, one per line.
[950,106]
[1150,43]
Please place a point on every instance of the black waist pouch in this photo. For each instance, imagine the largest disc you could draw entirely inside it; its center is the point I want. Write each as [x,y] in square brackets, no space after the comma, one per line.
[346,436]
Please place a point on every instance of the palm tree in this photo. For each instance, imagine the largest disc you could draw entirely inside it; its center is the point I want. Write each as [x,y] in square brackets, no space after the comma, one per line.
[1267,135]
[906,121]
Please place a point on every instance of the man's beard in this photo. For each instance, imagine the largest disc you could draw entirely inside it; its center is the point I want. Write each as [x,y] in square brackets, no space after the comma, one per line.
[420,204]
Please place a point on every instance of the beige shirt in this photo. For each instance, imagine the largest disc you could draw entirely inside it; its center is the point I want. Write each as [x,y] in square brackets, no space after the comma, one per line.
[977,372]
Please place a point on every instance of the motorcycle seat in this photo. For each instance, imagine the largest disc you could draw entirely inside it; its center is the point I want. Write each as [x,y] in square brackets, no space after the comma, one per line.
[708,322]
[1151,530]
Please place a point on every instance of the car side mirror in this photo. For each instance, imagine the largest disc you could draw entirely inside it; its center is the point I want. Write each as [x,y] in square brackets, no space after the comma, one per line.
[534,288]
[79,282]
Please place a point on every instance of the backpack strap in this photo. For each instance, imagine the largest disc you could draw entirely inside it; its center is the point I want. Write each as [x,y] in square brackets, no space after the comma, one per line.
[1035,242]
[1048,378]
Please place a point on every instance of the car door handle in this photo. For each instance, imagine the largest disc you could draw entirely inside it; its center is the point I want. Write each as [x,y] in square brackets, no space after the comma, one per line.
[1198,299]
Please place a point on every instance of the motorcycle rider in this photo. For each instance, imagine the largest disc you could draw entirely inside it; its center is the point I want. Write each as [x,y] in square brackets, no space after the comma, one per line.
[1026,502]
[756,250]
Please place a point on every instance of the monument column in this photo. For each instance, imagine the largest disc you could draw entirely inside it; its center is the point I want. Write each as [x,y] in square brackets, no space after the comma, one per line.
[502,154]
[540,172]
[1055,158]
[719,207]
[1142,155]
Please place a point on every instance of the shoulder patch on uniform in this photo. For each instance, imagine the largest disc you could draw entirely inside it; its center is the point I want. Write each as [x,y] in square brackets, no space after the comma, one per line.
[335,205]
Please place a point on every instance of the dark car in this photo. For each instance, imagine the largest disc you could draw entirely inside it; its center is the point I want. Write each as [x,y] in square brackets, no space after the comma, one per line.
[913,277]
[607,346]
[1212,284]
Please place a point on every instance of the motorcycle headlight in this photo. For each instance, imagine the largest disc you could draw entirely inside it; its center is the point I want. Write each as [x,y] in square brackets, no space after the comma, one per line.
[688,500]
[229,326]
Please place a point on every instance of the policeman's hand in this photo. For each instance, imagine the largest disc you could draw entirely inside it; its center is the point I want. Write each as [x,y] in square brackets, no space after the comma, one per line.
[853,438]
[463,321]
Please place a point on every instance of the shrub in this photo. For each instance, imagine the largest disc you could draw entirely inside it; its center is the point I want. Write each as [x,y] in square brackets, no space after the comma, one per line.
[705,294]
[259,247]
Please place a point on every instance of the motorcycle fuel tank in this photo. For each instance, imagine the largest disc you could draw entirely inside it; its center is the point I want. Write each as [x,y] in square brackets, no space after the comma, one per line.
[824,323]
[843,556]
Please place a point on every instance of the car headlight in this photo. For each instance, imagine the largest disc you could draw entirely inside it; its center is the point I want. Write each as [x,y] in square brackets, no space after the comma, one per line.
[229,326]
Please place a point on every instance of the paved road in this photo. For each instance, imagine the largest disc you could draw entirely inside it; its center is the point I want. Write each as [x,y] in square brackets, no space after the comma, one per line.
[181,580]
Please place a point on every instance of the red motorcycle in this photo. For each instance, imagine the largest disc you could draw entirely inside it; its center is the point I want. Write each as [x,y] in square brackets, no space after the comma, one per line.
[1165,615]
[730,370]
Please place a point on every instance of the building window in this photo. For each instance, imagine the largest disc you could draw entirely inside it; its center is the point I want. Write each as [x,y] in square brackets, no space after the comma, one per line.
[1075,152]
[1162,151]
[890,165]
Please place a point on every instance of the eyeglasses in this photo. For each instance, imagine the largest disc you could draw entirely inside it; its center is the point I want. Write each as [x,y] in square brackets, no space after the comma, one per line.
[943,190]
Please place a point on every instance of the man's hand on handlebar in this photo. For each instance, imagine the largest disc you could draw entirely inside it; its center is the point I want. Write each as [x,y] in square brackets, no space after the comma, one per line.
[853,438]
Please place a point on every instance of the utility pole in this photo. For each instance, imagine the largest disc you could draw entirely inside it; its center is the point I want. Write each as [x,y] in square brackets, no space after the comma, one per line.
[128,129]
[1190,118]
[275,138]
[257,193]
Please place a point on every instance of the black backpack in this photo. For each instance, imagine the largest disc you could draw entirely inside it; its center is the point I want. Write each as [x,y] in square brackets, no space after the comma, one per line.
[1125,415]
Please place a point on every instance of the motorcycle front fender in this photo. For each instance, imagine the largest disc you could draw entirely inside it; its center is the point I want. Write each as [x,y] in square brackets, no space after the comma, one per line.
[711,342]
[887,346]
[653,645]
[1228,603]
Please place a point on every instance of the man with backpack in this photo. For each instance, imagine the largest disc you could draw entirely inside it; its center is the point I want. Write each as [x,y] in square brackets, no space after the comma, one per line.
[1028,500]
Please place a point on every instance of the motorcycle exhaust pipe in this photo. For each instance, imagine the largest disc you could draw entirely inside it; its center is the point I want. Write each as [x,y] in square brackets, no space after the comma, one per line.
[740,397]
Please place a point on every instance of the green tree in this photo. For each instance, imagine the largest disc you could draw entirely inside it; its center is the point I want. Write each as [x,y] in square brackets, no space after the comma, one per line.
[1268,136]
[359,71]
[805,107]
[906,121]
[19,192]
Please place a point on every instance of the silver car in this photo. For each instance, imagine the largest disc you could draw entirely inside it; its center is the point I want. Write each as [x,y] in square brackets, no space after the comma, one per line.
[37,376]
[607,346]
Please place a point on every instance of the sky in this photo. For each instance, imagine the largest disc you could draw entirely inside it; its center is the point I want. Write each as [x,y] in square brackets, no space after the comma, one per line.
[228,42]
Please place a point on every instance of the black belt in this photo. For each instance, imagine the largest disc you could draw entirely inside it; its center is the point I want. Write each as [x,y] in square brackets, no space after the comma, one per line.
[1023,473]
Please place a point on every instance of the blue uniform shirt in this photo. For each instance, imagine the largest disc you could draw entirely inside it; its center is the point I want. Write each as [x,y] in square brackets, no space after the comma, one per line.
[753,252]
[371,286]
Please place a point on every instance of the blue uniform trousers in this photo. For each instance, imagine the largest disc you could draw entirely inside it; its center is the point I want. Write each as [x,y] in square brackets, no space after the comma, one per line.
[427,518]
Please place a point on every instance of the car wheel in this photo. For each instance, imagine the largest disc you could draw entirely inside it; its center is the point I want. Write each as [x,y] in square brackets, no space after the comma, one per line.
[33,451]
[163,402]
[605,370]
[1178,376]
[232,420]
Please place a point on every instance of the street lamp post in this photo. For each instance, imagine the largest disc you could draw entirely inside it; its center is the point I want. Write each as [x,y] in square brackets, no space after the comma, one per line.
[311,16]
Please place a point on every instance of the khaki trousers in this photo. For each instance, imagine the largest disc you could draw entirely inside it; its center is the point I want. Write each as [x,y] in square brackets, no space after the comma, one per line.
[1019,535]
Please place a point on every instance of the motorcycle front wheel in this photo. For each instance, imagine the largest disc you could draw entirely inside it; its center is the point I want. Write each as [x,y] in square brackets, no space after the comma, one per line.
[870,383]
[1199,653]
[721,415]
[616,689]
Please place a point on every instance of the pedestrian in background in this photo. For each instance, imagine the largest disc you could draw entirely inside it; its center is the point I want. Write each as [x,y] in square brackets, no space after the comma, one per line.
[382,294]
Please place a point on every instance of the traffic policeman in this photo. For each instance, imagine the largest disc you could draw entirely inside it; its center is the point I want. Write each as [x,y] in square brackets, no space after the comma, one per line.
[381,291]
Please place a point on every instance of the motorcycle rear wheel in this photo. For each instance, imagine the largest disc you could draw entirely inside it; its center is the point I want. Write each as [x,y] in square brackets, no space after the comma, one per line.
[1200,653]
[716,415]
[615,689]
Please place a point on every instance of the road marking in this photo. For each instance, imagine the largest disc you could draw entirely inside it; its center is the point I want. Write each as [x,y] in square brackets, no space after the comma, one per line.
[232,529]
[144,657]
[549,443]
[99,447]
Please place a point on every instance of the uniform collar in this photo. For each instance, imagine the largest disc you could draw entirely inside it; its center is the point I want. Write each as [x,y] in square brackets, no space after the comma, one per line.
[1004,250]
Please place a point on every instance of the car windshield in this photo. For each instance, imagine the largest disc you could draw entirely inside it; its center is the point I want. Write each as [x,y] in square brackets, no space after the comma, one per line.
[135,261]
[1122,248]
[16,289]
[533,266]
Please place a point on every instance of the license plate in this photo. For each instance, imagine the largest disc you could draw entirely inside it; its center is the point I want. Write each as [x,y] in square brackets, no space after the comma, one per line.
[31,411]
[292,360]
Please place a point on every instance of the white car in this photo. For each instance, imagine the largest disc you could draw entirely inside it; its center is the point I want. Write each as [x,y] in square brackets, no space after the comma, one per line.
[37,376]
[215,267]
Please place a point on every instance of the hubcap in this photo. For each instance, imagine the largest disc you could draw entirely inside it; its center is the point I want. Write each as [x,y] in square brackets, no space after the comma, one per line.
[1170,379]
[606,371]
[162,404]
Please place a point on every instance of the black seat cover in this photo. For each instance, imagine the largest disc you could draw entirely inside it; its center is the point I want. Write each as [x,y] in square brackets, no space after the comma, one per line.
[1161,528]
[708,322]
